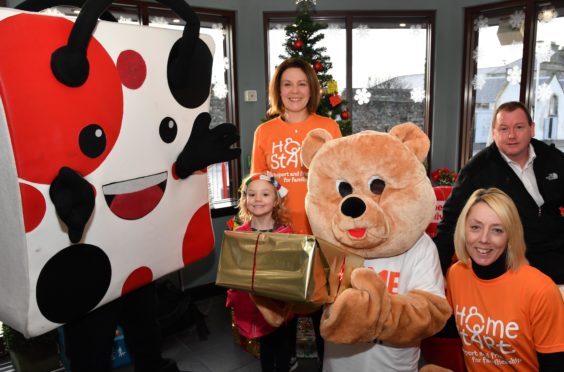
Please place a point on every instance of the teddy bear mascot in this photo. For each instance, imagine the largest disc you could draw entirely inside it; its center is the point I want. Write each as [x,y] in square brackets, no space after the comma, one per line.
[369,194]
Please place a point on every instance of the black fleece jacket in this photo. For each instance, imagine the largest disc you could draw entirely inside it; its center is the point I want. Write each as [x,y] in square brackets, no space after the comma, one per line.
[543,227]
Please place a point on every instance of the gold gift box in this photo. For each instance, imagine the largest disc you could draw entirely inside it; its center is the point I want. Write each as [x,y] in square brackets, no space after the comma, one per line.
[289,267]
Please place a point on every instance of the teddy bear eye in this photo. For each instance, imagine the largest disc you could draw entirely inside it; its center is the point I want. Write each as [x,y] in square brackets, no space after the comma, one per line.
[376,185]
[344,188]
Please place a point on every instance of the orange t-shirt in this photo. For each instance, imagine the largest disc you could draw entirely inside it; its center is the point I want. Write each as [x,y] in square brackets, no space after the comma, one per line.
[276,148]
[504,322]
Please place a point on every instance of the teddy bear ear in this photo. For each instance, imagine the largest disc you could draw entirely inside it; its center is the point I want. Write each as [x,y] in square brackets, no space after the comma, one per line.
[312,143]
[414,138]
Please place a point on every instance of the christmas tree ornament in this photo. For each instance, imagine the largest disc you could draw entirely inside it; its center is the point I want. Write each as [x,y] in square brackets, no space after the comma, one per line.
[332,87]
[345,115]
[298,44]
[306,5]
[318,66]
[335,100]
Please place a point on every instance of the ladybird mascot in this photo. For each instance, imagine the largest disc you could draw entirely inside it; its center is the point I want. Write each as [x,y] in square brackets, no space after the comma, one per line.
[104,142]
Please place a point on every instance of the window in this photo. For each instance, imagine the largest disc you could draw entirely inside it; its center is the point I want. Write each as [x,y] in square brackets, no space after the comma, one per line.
[381,62]
[514,51]
[222,178]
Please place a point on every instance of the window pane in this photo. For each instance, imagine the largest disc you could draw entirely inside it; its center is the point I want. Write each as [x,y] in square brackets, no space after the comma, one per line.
[549,74]
[388,72]
[498,57]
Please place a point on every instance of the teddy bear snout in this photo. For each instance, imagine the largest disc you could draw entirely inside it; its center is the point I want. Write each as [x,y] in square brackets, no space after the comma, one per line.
[353,207]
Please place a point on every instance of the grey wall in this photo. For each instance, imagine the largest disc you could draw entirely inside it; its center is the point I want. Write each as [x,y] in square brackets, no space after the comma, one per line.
[251,75]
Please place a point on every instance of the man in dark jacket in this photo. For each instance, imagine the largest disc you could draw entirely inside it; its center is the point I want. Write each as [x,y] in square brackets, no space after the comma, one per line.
[531,173]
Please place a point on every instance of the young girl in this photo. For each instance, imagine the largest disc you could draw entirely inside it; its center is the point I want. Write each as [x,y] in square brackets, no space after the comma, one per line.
[261,208]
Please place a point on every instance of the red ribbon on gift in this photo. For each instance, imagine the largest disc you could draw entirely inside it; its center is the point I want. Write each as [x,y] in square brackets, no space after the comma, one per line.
[341,274]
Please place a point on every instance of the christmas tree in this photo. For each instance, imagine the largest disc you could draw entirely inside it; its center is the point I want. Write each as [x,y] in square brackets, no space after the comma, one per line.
[301,39]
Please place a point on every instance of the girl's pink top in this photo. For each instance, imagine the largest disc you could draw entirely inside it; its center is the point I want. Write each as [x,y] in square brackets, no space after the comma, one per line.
[246,315]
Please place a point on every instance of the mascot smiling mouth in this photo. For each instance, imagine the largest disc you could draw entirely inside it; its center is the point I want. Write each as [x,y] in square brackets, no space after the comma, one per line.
[134,199]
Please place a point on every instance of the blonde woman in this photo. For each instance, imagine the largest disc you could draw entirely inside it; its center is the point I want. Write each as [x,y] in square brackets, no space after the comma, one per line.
[509,315]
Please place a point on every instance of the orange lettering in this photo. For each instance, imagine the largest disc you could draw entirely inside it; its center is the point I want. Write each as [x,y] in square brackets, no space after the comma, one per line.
[391,279]
[393,282]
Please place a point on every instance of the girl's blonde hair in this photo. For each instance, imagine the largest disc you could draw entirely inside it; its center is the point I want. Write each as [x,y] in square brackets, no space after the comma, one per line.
[279,212]
[506,210]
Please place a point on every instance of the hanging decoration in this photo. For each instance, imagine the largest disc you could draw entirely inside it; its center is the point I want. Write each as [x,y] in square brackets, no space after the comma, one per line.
[514,75]
[417,94]
[335,100]
[334,28]
[158,21]
[416,29]
[219,27]
[547,14]
[480,22]
[543,52]
[477,54]
[53,12]
[306,5]
[543,92]
[362,96]
[332,87]
[298,44]
[363,31]
[220,90]
[517,19]
[298,2]
[478,82]
[318,66]
[127,20]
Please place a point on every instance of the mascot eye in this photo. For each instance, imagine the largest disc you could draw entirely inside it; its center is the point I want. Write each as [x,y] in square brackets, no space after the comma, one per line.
[376,185]
[92,140]
[168,130]
[344,188]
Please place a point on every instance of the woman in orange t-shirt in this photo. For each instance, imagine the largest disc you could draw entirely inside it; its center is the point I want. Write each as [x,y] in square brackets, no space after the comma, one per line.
[509,315]
[294,95]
